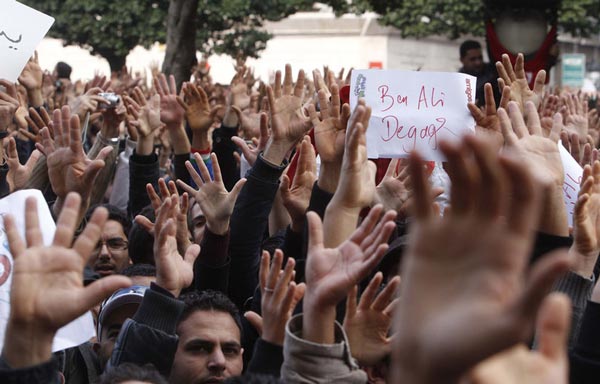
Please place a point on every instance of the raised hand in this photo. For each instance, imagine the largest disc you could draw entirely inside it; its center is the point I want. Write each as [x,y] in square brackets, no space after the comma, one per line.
[171,112]
[586,222]
[32,79]
[517,81]
[541,155]
[198,112]
[173,272]
[478,292]
[330,127]
[145,119]
[9,103]
[214,200]
[69,168]
[297,196]
[259,145]
[394,190]
[250,119]
[98,82]
[180,207]
[581,152]
[356,187]
[47,289]
[548,364]
[36,122]
[575,112]
[288,122]
[279,297]
[357,181]
[332,272]
[368,324]
[594,127]
[87,103]
[239,87]
[18,175]
[486,118]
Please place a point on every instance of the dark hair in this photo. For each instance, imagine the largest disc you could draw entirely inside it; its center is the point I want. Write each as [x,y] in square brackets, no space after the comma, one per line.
[467,45]
[63,70]
[129,372]
[141,243]
[253,378]
[141,269]
[114,213]
[209,301]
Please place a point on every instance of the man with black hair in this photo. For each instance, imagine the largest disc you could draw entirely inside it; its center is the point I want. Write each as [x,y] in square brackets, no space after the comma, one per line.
[140,274]
[471,57]
[111,256]
[130,373]
[209,348]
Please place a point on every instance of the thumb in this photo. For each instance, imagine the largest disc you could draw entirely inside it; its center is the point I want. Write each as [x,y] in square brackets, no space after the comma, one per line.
[237,111]
[241,144]
[237,188]
[92,170]
[145,223]
[191,254]
[255,320]
[554,325]
[99,290]
[284,188]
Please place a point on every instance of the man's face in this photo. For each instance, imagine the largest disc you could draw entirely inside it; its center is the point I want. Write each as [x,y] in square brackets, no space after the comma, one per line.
[473,62]
[111,255]
[209,349]
[110,330]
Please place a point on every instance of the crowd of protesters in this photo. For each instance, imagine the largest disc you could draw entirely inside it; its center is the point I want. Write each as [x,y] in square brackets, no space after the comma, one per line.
[240,234]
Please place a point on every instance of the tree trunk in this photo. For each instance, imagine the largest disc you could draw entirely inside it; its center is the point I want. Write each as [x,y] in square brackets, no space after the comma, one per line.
[115,61]
[181,40]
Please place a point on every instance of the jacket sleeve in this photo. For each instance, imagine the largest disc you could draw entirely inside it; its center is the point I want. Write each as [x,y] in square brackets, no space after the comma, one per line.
[211,268]
[45,373]
[308,362]
[249,223]
[4,187]
[142,170]
[149,337]
[579,289]
[181,172]
[267,358]
[585,355]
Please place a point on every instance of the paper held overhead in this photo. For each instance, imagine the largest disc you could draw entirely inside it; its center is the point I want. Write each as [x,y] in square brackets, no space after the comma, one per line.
[413,111]
[21,30]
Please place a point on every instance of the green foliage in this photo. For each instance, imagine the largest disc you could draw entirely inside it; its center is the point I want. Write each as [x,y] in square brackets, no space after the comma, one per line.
[108,28]
[453,18]
[235,27]
[112,28]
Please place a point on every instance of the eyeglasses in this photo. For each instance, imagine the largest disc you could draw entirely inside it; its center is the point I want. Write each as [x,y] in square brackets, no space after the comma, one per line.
[114,244]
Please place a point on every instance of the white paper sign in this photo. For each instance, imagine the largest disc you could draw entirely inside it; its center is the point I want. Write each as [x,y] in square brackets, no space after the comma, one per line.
[74,333]
[21,30]
[413,110]
[573,175]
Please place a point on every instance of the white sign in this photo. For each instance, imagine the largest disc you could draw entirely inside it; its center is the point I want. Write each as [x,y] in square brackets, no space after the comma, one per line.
[21,30]
[573,175]
[413,111]
[74,333]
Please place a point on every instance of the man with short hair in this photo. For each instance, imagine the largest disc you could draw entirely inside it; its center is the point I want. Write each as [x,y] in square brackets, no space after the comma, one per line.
[471,57]
[111,255]
[210,332]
